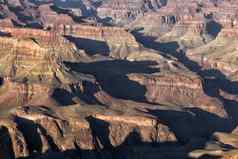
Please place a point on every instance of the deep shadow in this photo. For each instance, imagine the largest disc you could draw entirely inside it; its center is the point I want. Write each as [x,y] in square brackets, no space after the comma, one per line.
[78,19]
[107,21]
[63,97]
[163,2]
[3,15]
[59,10]
[6,147]
[91,47]
[15,9]
[24,18]
[29,130]
[27,19]
[68,154]
[71,4]
[209,157]
[213,28]
[35,25]
[131,148]
[87,95]
[1,81]
[213,80]
[100,133]
[3,34]
[193,123]
[112,76]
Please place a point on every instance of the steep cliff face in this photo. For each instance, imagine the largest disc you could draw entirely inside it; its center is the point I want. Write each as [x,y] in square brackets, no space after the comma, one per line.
[196,15]
[94,91]
[43,41]
[125,11]
[57,131]
[120,43]
[111,41]
[49,17]
[39,14]
[219,54]
[81,8]
[33,55]
[215,149]
[178,89]
[16,93]
[163,81]
[13,143]
[205,30]
[32,67]
[19,13]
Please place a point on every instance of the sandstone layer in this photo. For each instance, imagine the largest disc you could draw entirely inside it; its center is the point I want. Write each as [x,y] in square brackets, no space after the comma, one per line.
[118,79]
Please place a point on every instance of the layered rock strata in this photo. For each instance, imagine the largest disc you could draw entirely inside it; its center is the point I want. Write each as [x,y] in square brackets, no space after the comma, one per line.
[53,131]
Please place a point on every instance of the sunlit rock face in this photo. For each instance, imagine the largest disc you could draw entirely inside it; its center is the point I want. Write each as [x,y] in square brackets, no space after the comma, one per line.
[181,89]
[125,11]
[38,14]
[32,54]
[86,8]
[20,13]
[118,79]
[54,131]
[116,42]
[203,30]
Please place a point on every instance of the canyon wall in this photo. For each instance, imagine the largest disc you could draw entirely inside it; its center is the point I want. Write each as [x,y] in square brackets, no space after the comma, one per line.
[117,39]
[56,131]
[178,89]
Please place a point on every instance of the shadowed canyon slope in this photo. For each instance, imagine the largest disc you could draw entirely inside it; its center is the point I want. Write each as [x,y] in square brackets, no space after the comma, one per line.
[136,79]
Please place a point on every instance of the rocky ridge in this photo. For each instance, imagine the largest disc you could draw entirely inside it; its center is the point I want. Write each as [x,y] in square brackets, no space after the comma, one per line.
[94,91]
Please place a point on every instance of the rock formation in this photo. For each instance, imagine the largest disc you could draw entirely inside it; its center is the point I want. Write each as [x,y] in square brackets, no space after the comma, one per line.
[125,11]
[58,131]
[118,79]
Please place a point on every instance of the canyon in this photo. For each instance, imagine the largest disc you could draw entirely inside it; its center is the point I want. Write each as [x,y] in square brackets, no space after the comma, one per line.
[119,79]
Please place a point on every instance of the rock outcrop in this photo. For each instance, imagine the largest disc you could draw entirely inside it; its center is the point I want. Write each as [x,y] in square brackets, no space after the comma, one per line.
[30,58]
[57,131]
[178,89]
[125,11]
[32,65]
[13,142]
[118,79]
[205,28]
[120,43]
[216,148]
